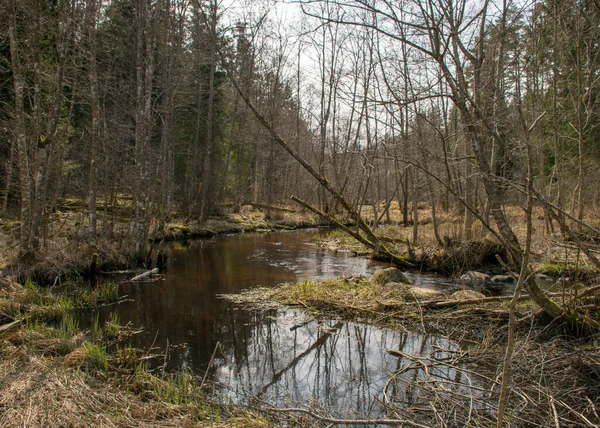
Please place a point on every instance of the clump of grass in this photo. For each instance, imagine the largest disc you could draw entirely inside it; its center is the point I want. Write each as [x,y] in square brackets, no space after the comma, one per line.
[105,292]
[108,292]
[340,240]
[176,388]
[96,357]
[554,269]
[66,332]
[50,307]
[356,293]
[59,339]
[128,356]
[112,327]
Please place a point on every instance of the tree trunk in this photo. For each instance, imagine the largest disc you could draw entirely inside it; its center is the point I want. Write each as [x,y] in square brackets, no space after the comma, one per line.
[19,132]
[95,112]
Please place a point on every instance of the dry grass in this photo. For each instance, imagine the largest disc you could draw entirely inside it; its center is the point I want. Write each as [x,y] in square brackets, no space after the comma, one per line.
[550,254]
[54,374]
[41,391]
[349,293]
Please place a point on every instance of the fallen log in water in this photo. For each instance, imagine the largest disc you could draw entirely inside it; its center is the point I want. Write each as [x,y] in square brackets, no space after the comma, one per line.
[144,275]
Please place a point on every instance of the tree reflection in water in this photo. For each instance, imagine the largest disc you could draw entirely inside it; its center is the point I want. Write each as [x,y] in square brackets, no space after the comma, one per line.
[277,357]
[341,367]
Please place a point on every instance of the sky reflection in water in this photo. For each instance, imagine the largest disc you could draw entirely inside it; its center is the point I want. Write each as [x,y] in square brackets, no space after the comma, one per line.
[277,356]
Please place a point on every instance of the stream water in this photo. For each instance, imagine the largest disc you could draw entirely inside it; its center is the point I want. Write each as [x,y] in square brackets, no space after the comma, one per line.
[281,356]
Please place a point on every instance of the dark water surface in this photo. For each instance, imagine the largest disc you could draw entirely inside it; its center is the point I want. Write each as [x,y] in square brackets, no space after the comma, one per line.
[281,356]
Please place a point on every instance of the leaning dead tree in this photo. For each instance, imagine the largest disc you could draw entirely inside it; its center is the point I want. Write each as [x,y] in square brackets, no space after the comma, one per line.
[368,238]
[454,41]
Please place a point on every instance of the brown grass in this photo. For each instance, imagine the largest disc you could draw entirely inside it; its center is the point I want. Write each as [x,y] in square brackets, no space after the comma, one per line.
[54,374]
[550,254]
[554,378]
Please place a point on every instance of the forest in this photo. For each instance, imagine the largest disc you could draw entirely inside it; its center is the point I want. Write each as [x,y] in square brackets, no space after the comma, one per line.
[445,136]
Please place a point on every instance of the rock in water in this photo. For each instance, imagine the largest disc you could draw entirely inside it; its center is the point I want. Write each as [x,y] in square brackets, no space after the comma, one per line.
[474,278]
[506,279]
[544,280]
[383,276]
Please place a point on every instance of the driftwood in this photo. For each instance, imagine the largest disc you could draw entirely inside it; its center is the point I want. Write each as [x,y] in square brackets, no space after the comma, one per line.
[144,275]
[8,326]
[120,272]
[450,302]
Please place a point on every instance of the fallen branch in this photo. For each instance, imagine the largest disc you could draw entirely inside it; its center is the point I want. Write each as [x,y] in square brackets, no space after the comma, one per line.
[372,245]
[273,207]
[349,421]
[144,275]
[448,303]
[360,222]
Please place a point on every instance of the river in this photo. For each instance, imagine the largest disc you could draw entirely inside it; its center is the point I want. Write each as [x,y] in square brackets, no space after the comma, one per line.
[280,356]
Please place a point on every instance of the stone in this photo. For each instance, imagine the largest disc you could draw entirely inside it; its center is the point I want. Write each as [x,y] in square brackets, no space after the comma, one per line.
[384,276]
[409,292]
[474,278]
[507,279]
[467,295]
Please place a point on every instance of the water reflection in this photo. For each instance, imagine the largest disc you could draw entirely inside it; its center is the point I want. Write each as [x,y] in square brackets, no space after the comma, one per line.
[340,366]
[182,308]
[275,356]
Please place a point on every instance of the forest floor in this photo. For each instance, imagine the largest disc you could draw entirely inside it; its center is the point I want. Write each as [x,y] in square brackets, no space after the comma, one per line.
[56,374]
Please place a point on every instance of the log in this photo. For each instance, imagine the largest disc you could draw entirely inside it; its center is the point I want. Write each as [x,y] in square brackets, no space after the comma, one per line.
[144,275]
[446,303]
[273,207]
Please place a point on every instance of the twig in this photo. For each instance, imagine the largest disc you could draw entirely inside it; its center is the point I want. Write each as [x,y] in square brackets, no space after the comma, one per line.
[576,413]
[554,413]
[10,325]
[210,364]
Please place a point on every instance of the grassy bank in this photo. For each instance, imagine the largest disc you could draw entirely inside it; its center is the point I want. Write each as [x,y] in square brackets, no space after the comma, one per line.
[56,374]
[68,254]
[453,255]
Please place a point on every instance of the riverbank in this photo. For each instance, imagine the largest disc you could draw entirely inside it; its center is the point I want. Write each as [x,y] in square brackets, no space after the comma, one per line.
[57,374]
[68,253]
[449,253]
[555,376]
